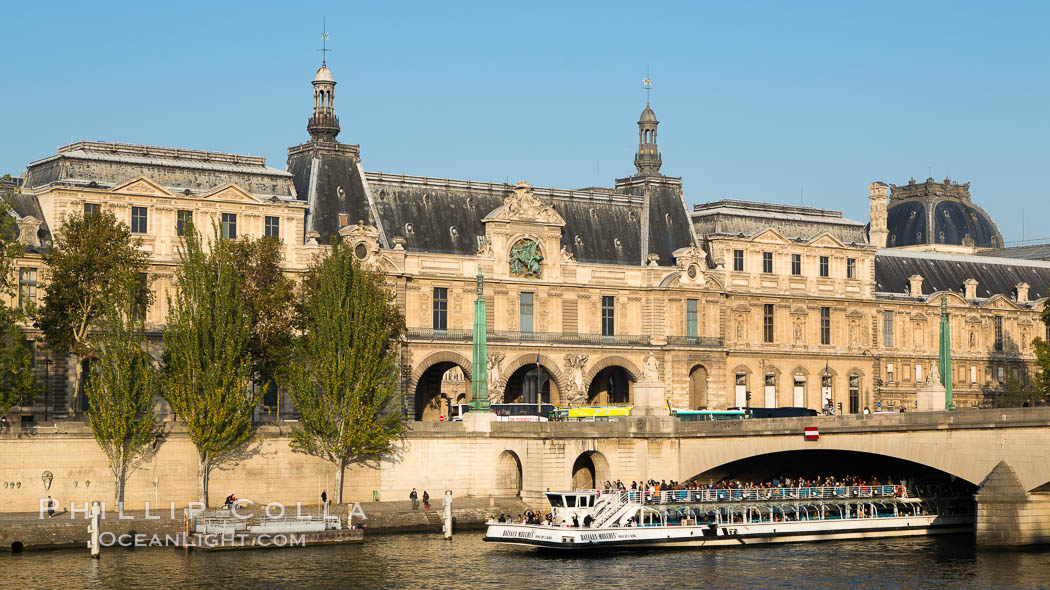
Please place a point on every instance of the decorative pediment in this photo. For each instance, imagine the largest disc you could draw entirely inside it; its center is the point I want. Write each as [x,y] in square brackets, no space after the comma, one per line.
[770,236]
[231,192]
[141,185]
[799,310]
[954,299]
[741,308]
[828,240]
[854,314]
[524,205]
[1000,301]
[28,230]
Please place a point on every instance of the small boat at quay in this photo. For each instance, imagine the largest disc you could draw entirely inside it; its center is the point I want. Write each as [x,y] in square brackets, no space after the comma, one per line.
[587,520]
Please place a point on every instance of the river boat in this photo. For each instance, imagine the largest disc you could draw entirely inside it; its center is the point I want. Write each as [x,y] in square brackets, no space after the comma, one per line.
[586,520]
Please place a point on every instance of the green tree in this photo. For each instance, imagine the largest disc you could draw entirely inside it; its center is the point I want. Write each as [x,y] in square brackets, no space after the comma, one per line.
[123,385]
[269,297]
[18,387]
[1042,359]
[94,258]
[207,368]
[17,384]
[343,373]
[1014,394]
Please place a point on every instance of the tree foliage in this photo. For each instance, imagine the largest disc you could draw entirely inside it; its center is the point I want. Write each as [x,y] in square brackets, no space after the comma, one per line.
[343,373]
[123,385]
[268,296]
[207,368]
[94,263]
[1014,394]
[17,384]
[1042,359]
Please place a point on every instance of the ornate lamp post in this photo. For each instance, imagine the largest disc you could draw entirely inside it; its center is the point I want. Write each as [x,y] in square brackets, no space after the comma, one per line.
[479,383]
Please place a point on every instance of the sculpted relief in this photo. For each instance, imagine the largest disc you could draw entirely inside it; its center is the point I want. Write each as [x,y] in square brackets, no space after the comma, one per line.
[525,258]
[575,363]
[494,360]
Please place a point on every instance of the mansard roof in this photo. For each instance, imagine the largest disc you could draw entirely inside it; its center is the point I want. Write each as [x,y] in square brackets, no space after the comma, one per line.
[948,272]
[106,165]
[733,217]
[446,216]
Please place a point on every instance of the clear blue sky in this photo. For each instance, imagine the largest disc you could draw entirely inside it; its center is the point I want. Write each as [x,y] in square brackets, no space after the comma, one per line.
[756,101]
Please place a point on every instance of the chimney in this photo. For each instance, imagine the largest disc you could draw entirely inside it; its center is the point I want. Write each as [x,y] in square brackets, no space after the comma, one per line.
[970,288]
[1022,292]
[915,285]
[877,231]
[344,220]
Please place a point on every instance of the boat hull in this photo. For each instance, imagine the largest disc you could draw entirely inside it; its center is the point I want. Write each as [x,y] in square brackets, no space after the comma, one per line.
[577,539]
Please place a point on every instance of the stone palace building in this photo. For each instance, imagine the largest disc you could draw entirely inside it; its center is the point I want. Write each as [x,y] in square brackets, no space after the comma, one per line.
[738,303]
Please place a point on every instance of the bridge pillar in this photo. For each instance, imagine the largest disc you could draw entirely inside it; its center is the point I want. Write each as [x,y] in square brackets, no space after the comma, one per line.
[1008,515]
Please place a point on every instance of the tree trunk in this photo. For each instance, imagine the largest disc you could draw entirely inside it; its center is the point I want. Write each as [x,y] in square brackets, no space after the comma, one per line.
[75,400]
[203,471]
[120,475]
[340,468]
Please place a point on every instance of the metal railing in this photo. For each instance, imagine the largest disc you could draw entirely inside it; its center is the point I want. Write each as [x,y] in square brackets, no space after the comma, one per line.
[511,336]
[764,494]
[695,341]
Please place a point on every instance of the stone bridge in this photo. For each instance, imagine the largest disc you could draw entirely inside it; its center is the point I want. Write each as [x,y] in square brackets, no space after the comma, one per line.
[1005,454]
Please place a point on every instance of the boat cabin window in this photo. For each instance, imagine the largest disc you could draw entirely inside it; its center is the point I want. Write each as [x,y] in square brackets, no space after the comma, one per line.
[570,501]
[555,500]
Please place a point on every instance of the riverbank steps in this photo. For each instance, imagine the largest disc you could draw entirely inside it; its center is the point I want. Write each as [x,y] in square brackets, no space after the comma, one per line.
[30,532]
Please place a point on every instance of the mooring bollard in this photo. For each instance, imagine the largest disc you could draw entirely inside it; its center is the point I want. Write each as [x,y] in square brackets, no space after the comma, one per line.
[447,503]
[93,530]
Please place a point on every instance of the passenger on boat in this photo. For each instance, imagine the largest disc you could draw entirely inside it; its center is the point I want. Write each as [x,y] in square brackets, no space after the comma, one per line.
[575,521]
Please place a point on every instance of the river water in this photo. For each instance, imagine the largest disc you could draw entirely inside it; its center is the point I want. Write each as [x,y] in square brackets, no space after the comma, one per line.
[427,561]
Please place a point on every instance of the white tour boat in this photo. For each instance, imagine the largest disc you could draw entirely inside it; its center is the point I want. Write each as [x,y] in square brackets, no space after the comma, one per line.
[718,517]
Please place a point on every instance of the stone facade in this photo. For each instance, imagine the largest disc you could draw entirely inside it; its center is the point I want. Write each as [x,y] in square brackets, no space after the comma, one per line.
[738,303]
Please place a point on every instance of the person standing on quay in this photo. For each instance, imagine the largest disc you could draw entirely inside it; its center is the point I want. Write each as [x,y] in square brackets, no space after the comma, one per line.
[324,501]
[415,499]
[426,500]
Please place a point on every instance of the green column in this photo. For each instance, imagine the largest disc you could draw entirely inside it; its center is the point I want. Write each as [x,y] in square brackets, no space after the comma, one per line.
[479,374]
[945,356]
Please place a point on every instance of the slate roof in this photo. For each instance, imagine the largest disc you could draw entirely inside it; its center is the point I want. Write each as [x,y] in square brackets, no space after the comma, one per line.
[947,272]
[1036,252]
[445,216]
[733,217]
[933,212]
[106,164]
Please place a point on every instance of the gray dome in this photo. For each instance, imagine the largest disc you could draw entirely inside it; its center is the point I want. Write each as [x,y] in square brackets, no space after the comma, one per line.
[648,116]
[938,213]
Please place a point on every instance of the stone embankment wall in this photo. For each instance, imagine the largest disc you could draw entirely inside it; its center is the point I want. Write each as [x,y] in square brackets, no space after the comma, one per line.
[30,532]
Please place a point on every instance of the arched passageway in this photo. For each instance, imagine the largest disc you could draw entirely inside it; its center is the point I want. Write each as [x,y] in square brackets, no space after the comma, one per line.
[589,470]
[612,385]
[531,384]
[698,388]
[819,464]
[441,386]
[508,475]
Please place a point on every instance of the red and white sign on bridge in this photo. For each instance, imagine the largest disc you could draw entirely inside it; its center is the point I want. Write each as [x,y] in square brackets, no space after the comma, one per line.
[812,433]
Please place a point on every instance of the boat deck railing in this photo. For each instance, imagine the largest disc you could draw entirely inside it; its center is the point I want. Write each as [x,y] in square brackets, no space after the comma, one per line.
[708,495]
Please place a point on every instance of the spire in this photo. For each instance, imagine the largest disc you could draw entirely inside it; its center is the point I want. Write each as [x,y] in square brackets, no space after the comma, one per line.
[324,125]
[647,159]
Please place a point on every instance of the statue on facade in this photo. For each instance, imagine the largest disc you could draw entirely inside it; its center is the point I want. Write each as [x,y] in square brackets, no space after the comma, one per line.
[567,256]
[493,362]
[651,370]
[575,363]
[798,332]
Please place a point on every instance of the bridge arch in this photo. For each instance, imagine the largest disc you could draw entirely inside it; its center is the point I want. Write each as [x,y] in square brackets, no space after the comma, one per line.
[863,448]
[425,385]
[509,474]
[589,470]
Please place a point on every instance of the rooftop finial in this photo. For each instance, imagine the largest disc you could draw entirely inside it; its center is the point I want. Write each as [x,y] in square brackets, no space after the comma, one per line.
[324,40]
[647,84]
